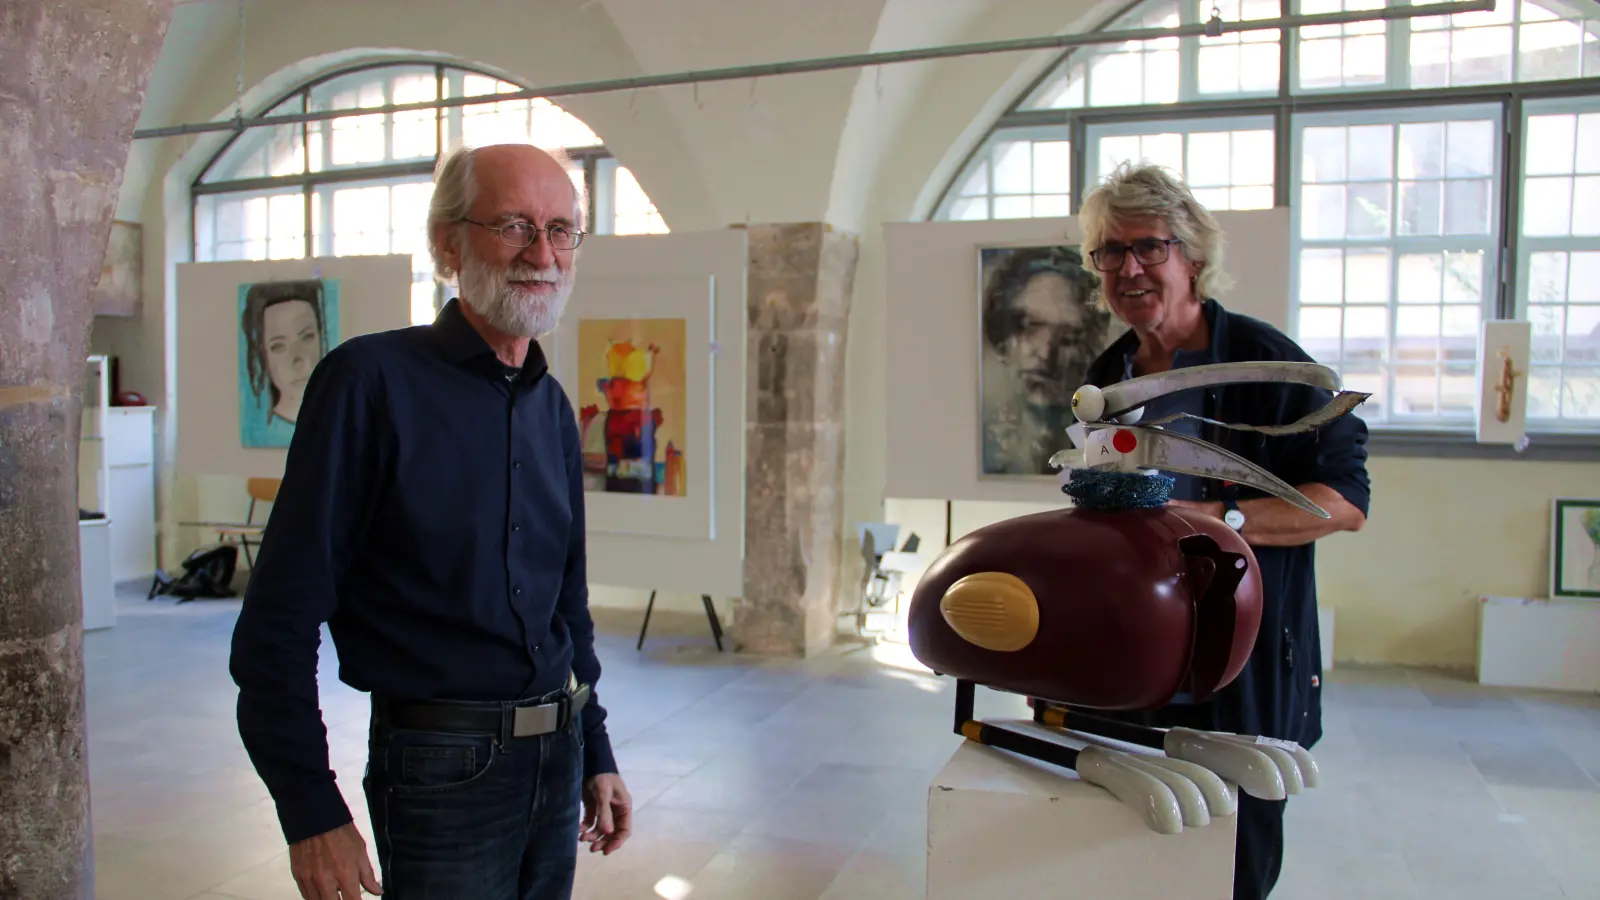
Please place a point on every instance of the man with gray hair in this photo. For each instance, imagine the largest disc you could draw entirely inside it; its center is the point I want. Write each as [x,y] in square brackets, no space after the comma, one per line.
[1158,255]
[432,514]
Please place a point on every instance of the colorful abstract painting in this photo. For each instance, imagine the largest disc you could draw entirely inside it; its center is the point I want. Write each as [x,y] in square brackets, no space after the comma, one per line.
[632,389]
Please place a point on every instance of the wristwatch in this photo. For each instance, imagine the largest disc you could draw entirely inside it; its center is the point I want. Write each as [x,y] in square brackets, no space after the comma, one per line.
[1231,513]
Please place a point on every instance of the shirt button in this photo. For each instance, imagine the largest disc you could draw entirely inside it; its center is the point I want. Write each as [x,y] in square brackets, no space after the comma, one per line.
[515,527]
[516,592]
[516,464]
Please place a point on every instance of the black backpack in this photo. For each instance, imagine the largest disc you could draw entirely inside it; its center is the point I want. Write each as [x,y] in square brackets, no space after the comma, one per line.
[206,573]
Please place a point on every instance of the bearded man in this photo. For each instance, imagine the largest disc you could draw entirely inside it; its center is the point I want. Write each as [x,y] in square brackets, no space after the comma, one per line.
[432,514]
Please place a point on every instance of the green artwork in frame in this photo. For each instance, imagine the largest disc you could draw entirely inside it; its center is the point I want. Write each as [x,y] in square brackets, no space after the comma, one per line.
[1575,549]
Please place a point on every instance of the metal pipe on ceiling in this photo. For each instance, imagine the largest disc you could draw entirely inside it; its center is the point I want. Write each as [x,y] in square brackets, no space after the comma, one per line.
[1213,28]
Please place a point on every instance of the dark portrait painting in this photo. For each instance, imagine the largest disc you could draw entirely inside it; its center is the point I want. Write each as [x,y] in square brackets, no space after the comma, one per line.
[1040,326]
[285,328]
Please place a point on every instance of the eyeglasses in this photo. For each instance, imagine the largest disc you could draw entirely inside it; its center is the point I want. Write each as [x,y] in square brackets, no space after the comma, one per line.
[523,234]
[1148,251]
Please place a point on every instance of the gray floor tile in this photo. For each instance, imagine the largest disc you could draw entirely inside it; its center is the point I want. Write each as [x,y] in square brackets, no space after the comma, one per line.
[808,779]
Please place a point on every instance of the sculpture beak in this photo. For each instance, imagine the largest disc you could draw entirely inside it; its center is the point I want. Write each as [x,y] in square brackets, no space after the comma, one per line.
[1157,448]
[992,610]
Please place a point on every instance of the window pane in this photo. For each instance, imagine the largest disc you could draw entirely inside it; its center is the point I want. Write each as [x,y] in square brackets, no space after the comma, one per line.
[1421,203]
[969,208]
[1463,278]
[1420,276]
[1013,167]
[1013,207]
[1588,156]
[1548,325]
[1547,277]
[1586,206]
[1052,167]
[1422,150]
[977,181]
[1548,50]
[1470,149]
[1321,275]
[1366,276]
[1367,215]
[635,214]
[1324,154]
[1466,207]
[1320,330]
[1585,284]
[1583,334]
[263,152]
[1322,216]
[1371,152]
[1548,147]
[1547,207]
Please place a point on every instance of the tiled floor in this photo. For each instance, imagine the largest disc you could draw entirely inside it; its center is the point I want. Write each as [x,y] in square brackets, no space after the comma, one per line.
[773,780]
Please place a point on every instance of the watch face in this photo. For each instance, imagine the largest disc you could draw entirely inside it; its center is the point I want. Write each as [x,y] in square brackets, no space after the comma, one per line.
[1234,518]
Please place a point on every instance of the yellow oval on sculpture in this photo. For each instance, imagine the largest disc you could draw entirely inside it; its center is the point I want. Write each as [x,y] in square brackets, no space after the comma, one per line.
[992,610]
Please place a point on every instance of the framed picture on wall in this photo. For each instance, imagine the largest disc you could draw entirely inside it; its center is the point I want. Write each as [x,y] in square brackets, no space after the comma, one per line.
[636,357]
[1575,549]
[1039,327]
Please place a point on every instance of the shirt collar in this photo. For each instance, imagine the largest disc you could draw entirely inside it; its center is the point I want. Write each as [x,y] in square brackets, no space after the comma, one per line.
[459,343]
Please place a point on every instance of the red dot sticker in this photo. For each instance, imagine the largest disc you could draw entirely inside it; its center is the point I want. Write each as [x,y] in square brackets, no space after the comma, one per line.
[1124,441]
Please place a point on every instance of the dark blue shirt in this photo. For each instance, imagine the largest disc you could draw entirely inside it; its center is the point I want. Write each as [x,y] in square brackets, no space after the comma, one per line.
[431,513]
[1279,692]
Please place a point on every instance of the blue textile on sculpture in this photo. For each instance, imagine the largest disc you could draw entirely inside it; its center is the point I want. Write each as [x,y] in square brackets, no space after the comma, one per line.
[1109,491]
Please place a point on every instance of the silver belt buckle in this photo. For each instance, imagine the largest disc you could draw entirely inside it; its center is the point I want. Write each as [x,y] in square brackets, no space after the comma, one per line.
[527,721]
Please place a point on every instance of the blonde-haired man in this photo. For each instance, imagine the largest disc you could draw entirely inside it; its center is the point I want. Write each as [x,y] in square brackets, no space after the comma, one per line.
[1158,254]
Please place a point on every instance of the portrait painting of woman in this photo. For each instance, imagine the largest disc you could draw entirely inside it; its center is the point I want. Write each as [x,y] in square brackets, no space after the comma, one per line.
[285,328]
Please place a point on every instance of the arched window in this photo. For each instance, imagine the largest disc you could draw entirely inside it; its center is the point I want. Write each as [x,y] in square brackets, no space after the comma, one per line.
[360,184]
[1413,219]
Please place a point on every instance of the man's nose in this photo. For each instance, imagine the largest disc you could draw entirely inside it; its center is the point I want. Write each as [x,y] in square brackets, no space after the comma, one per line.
[539,254]
[1130,267]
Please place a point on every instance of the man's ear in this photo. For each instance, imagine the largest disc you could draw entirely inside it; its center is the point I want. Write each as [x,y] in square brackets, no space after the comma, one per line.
[448,239]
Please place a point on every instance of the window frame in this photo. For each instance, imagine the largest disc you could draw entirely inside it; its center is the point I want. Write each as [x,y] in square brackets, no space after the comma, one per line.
[1397,244]
[309,183]
[1433,438]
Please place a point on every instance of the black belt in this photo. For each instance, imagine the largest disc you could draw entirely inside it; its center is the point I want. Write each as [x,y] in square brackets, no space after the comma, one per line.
[508,719]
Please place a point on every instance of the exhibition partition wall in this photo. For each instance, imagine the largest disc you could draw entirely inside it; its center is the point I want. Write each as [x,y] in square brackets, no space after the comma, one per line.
[991,323]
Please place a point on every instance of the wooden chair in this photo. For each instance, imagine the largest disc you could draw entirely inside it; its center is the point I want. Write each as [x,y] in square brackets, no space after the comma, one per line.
[262,490]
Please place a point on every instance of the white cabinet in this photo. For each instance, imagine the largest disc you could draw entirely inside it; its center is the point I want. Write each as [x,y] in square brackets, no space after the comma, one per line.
[129,448]
[94,567]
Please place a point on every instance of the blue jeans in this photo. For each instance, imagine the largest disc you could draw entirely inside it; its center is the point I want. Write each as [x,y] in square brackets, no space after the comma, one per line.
[469,817]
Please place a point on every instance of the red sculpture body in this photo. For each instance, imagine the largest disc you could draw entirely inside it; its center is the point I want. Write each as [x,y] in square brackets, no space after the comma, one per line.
[1129,607]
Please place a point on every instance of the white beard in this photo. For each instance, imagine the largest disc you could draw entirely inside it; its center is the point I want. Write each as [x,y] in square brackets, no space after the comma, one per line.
[488,290]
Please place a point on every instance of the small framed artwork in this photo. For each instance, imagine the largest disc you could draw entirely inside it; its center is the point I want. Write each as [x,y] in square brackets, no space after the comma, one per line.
[1575,549]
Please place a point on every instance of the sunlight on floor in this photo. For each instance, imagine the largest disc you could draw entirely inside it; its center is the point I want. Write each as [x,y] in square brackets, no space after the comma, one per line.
[898,656]
[671,887]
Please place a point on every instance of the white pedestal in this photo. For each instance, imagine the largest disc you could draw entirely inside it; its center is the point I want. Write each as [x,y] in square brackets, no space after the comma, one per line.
[1006,827]
[94,568]
[1553,644]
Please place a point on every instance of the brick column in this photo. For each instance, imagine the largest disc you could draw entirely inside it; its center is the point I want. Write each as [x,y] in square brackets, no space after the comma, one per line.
[72,79]
[800,280]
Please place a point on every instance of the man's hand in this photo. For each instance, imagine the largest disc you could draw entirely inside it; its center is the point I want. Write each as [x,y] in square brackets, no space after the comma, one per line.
[607,814]
[333,865]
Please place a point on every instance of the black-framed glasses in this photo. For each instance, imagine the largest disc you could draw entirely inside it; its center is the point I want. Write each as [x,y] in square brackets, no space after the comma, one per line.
[523,234]
[1148,251]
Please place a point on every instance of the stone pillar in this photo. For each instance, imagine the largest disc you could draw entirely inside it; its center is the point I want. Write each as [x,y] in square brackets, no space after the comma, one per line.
[800,280]
[72,79]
